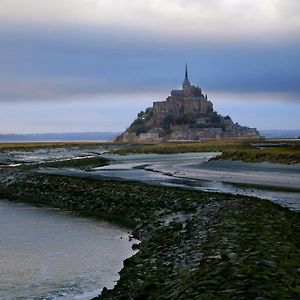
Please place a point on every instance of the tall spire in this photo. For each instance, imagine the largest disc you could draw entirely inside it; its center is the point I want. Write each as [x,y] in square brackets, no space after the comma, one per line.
[186,81]
[186,72]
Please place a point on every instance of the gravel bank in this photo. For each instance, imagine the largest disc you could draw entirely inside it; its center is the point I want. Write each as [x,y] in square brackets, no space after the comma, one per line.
[194,245]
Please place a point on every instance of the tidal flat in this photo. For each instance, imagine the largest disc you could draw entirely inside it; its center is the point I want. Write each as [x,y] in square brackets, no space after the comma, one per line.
[193,244]
[284,152]
[198,171]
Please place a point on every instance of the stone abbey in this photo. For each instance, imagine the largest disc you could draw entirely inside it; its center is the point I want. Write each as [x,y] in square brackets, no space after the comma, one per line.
[186,114]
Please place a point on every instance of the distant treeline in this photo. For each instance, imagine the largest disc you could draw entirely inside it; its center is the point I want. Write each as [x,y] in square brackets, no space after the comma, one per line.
[67,136]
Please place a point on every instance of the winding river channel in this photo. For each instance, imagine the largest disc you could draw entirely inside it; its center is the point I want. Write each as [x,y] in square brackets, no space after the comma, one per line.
[49,254]
[276,182]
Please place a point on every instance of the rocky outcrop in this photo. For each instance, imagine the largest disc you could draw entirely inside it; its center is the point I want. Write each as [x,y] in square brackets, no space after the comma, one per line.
[186,114]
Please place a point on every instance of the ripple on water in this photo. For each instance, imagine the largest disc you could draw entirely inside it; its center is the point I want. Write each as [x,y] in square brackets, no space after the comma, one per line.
[46,254]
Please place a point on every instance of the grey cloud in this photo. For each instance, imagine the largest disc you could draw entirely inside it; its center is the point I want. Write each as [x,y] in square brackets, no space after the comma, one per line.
[164,21]
[48,63]
[65,89]
[242,53]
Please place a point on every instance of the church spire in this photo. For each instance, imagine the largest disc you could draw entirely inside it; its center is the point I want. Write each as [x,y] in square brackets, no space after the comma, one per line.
[186,81]
[186,72]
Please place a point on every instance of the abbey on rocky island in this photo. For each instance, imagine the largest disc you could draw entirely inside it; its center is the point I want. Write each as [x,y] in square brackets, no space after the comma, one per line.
[186,114]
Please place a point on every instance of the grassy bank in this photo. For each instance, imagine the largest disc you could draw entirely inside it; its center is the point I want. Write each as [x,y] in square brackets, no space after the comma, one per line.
[284,155]
[85,163]
[278,152]
[194,245]
[289,153]
[168,148]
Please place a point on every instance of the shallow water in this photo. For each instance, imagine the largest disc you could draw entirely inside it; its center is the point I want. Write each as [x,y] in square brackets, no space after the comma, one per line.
[275,182]
[39,155]
[49,254]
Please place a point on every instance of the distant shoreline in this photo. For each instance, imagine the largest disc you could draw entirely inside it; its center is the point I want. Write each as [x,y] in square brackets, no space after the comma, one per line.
[108,136]
[20,145]
[54,141]
[58,137]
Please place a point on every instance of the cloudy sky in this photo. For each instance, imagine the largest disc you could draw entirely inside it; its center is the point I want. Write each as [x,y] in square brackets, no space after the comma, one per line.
[91,65]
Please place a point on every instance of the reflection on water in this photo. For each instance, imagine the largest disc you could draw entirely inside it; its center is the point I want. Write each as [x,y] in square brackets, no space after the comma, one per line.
[45,254]
[49,254]
[27,156]
[193,170]
[288,199]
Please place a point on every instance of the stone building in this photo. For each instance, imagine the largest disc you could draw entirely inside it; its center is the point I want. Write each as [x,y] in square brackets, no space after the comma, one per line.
[189,100]
[186,114]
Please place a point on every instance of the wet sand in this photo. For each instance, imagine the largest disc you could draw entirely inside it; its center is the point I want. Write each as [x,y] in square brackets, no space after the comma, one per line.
[263,174]
[275,182]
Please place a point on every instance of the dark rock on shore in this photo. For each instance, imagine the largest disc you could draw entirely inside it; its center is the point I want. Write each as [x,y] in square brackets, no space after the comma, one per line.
[135,246]
[194,245]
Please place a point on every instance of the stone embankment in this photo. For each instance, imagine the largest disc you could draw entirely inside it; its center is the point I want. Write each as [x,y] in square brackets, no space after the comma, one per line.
[194,245]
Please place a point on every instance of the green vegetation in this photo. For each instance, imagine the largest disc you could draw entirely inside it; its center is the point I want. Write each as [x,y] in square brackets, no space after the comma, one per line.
[182,147]
[235,150]
[138,126]
[85,163]
[186,119]
[284,155]
[168,121]
[141,124]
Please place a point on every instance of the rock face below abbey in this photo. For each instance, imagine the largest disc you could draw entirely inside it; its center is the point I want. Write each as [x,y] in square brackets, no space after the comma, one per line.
[186,114]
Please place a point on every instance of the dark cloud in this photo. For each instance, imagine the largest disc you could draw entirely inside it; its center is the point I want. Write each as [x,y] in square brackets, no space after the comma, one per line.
[58,57]
[51,63]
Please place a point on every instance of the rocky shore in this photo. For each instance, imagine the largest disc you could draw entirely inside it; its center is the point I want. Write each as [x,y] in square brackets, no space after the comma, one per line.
[194,245]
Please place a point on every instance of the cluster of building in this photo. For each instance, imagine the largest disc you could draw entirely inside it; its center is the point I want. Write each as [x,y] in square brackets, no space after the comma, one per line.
[186,114]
